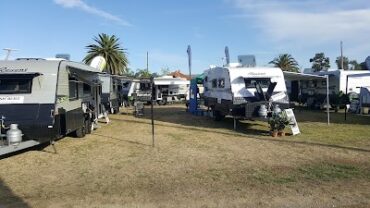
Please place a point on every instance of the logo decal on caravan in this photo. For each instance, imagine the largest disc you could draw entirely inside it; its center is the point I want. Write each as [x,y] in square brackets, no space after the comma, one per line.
[11,99]
[5,69]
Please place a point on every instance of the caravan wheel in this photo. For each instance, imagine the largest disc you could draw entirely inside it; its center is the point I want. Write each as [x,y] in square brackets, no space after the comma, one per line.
[81,132]
[88,125]
[162,102]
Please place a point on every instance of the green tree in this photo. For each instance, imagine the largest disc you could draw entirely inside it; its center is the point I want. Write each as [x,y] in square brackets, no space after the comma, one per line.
[338,61]
[363,66]
[354,65]
[165,71]
[109,48]
[129,72]
[286,62]
[143,73]
[320,62]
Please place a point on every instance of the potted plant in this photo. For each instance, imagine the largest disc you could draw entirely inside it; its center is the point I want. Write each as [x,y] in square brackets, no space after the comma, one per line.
[273,121]
[282,122]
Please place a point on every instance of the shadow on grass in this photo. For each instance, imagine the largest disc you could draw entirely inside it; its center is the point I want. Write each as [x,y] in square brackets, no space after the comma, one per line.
[251,133]
[9,199]
[122,140]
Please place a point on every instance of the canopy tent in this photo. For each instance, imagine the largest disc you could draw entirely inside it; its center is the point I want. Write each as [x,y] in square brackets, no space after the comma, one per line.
[294,76]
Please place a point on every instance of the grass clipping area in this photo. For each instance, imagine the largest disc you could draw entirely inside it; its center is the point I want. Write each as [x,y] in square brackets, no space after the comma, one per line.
[196,162]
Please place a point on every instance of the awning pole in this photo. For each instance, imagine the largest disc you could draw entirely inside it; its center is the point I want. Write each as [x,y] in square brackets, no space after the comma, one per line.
[327,98]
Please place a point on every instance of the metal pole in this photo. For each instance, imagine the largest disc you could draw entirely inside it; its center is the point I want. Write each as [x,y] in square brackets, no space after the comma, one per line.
[8,51]
[189,60]
[345,108]
[234,123]
[327,98]
[151,97]
[341,54]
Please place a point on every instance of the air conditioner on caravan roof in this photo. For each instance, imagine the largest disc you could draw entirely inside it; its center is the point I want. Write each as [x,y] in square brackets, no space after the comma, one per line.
[247,60]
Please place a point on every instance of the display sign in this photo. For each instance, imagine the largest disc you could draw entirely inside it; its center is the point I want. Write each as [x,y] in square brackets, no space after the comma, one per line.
[293,123]
[11,99]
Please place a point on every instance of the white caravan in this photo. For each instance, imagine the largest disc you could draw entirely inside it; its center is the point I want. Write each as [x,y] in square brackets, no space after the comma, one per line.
[337,81]
[169,89]
[166,89]
[239,91]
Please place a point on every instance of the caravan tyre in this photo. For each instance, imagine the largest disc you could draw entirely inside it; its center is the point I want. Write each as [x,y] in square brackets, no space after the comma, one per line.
[162,102]
[116,110]
[81,132]
[88,125]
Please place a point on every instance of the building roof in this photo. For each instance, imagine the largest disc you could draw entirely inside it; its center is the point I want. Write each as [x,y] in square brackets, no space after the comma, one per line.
[178,74]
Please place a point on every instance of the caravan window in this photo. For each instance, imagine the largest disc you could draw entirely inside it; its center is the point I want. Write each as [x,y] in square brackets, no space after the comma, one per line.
[86,89]
[214,83]
[221,83]
[125,84]
[250,82]
[73,89]
[144,86]
[15,85]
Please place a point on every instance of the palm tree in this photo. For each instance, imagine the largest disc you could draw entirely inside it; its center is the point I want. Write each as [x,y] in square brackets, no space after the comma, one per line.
[286,62]
[109,48]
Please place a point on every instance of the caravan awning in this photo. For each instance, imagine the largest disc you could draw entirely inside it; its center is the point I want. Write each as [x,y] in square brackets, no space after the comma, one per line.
[294,76]
[88,77]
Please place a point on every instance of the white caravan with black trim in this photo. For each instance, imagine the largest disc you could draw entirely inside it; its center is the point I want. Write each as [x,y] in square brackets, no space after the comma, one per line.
[239,91]
[47,99]
[168,88]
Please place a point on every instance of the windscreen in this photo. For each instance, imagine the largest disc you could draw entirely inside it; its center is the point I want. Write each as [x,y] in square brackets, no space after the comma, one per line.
[15,84]
[251,82]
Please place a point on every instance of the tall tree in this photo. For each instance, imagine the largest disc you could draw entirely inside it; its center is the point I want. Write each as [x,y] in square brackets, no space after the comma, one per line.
[143,73]
[320,62]
[286,62]
[354,65]
[109,48]
[129,72]
[165,71]
[338,61]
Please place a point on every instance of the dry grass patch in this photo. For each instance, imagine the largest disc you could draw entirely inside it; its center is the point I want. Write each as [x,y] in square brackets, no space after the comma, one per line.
[202,165]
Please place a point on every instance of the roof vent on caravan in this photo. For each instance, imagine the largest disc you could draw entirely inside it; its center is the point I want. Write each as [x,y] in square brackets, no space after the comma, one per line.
[98,62]
[235,65]
[308,71]
[30,59]
[64,56]
[367,63]
[247,60]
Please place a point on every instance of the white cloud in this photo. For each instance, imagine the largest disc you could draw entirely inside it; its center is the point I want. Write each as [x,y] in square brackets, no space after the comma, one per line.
[92,10]
[308,25]
[306,20]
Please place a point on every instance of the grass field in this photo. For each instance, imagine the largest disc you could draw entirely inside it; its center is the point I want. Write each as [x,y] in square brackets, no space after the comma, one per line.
[196,162]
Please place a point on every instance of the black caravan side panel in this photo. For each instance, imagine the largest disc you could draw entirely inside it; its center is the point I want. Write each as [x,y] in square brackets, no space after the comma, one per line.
[70,121]
[34,120]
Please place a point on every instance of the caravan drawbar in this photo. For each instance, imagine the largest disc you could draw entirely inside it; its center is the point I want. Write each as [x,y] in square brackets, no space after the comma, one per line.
[45,100]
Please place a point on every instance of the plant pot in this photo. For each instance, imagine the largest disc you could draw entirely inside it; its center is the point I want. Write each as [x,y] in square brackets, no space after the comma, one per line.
[281,133]
[274,133]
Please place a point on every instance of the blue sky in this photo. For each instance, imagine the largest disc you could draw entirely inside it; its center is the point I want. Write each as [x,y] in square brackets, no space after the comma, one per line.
[164,28]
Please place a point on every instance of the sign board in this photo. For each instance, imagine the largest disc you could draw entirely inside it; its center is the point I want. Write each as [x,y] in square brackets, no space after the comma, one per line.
[11,99]
[294,125]
[278,96]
